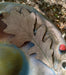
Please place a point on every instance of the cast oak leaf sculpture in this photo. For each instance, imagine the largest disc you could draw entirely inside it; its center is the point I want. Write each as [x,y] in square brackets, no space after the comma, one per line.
[41,48]
[20,26]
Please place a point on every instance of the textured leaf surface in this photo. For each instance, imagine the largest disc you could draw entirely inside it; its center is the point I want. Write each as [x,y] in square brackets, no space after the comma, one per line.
[20,26]
[42,49]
